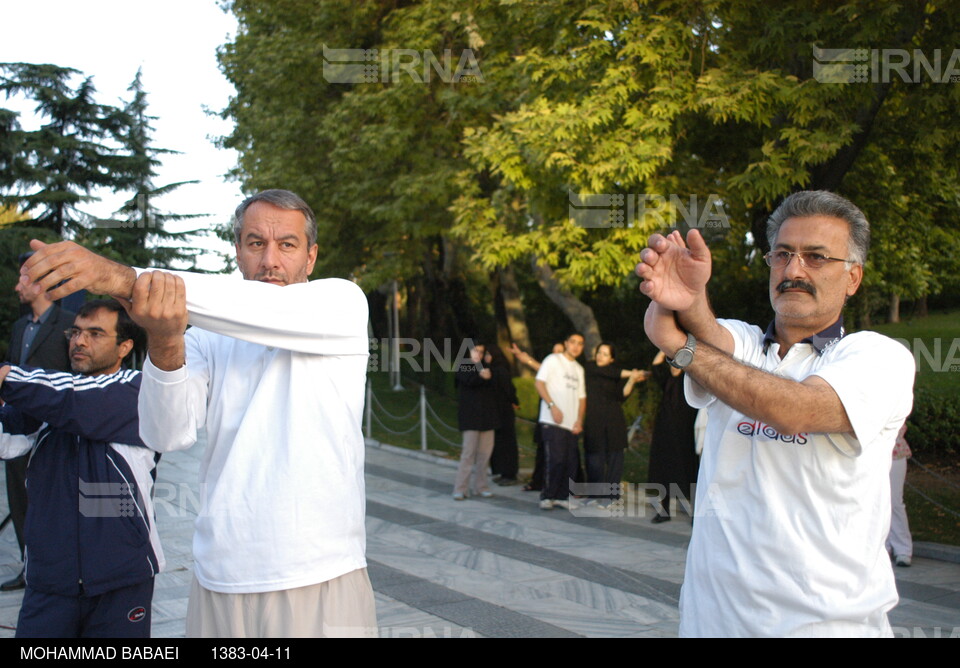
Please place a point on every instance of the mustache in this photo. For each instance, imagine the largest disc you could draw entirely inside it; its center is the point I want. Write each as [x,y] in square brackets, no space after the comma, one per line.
[796,285]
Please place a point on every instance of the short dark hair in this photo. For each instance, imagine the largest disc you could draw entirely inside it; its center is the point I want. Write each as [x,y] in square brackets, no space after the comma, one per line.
[127,329]
[282,199]
[808,203]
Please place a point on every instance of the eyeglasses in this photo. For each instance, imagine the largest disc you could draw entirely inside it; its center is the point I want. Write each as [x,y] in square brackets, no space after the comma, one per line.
[781,258]
[93,334]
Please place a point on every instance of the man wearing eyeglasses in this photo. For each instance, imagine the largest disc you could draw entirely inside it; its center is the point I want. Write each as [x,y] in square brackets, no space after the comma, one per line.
[92,548]
[793,495]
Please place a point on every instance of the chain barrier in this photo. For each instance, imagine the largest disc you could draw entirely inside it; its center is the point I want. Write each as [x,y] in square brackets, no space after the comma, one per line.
[914,462]
[422,422]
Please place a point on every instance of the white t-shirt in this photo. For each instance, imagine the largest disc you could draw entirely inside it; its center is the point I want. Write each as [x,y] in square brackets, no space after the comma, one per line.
[281,480]
[566,386]
[790,528]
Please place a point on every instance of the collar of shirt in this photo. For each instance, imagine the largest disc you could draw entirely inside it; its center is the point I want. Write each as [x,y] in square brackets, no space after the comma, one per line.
[820,341]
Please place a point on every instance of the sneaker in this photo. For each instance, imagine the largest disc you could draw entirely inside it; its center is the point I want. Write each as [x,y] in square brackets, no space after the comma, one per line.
[902,560]
[546,504]
[568,504]
[487,494]
[459,497]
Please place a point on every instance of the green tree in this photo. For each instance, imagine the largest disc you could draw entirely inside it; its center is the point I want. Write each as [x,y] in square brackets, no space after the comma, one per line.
[138,233]
[719,98]
[50,171]
[445,185]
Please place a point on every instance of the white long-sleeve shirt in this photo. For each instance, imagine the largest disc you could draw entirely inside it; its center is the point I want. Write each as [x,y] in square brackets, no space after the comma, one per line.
[276,376]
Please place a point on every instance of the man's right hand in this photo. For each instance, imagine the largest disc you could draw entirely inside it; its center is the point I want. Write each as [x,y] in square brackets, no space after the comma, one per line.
[160,306]
[675,275]
[81,268]
[556,414]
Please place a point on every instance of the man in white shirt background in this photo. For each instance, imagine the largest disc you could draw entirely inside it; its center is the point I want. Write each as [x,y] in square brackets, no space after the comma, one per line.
[560,383]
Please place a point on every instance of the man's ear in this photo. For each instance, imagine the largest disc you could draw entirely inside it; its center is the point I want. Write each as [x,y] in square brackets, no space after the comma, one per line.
[855,275]
[125,348]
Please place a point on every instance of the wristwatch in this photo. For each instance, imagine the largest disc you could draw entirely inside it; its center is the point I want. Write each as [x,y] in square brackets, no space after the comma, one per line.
[684,356]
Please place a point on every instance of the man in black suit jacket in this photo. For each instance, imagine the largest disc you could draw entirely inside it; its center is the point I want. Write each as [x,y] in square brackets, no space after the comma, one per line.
[37,340]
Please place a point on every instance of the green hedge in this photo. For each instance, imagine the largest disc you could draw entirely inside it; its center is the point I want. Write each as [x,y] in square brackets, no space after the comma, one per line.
[934,426]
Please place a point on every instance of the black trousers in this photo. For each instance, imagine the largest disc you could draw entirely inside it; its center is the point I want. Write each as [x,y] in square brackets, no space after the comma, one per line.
[562,460]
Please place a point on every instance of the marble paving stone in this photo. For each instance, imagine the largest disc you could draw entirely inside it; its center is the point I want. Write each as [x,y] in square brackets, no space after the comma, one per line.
[525,593]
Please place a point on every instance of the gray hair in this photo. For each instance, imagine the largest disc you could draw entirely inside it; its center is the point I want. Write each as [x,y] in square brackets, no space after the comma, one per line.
[282,199]
[808,203]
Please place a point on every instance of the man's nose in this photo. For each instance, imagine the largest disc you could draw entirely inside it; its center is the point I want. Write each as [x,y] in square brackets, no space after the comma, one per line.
[270,256]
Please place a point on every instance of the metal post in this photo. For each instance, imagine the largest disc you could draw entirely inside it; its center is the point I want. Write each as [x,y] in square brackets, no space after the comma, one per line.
[423,418]
[369,410]
[396,337]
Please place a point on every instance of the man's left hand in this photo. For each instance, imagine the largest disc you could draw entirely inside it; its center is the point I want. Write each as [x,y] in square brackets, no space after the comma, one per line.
[160,306]
[675,273]
[78,269]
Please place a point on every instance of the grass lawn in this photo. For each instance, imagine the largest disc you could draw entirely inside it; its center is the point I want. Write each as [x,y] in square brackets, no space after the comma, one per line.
[935,343]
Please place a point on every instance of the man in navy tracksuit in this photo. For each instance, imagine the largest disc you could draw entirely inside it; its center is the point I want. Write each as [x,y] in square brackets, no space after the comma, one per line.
[92,548]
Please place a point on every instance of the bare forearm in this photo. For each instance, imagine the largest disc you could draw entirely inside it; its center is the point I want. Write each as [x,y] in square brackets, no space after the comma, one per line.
[542,391]
[700,321]
[788,406]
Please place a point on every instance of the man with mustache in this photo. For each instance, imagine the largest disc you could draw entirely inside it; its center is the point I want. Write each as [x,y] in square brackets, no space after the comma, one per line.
[274,371]
[92,548]
[793,497]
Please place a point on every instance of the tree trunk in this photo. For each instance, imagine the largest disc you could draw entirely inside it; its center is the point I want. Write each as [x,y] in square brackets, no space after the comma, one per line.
[894,313]
[511,320]
[579,313]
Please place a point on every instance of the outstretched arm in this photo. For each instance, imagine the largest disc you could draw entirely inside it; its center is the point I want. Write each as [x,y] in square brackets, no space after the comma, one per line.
[789,406]
[675,275]
[100,408]
[326,317]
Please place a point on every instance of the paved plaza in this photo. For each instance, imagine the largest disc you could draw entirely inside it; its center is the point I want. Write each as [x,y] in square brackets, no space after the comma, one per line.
[498,567]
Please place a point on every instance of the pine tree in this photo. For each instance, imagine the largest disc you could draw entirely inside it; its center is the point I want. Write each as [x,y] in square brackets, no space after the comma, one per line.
[137,235]
[50,171]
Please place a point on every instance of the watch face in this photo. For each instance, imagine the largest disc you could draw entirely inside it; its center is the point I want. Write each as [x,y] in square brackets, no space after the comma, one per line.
[683,357]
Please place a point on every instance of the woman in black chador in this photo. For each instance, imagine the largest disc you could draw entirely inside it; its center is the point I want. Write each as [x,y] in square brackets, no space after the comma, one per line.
[604,427]
[673,454]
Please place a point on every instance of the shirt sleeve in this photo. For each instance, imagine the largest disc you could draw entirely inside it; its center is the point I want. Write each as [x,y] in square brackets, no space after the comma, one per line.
[543,373]
[173,404]
[98,408]
[873,376]
[19,432]
[324,317]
